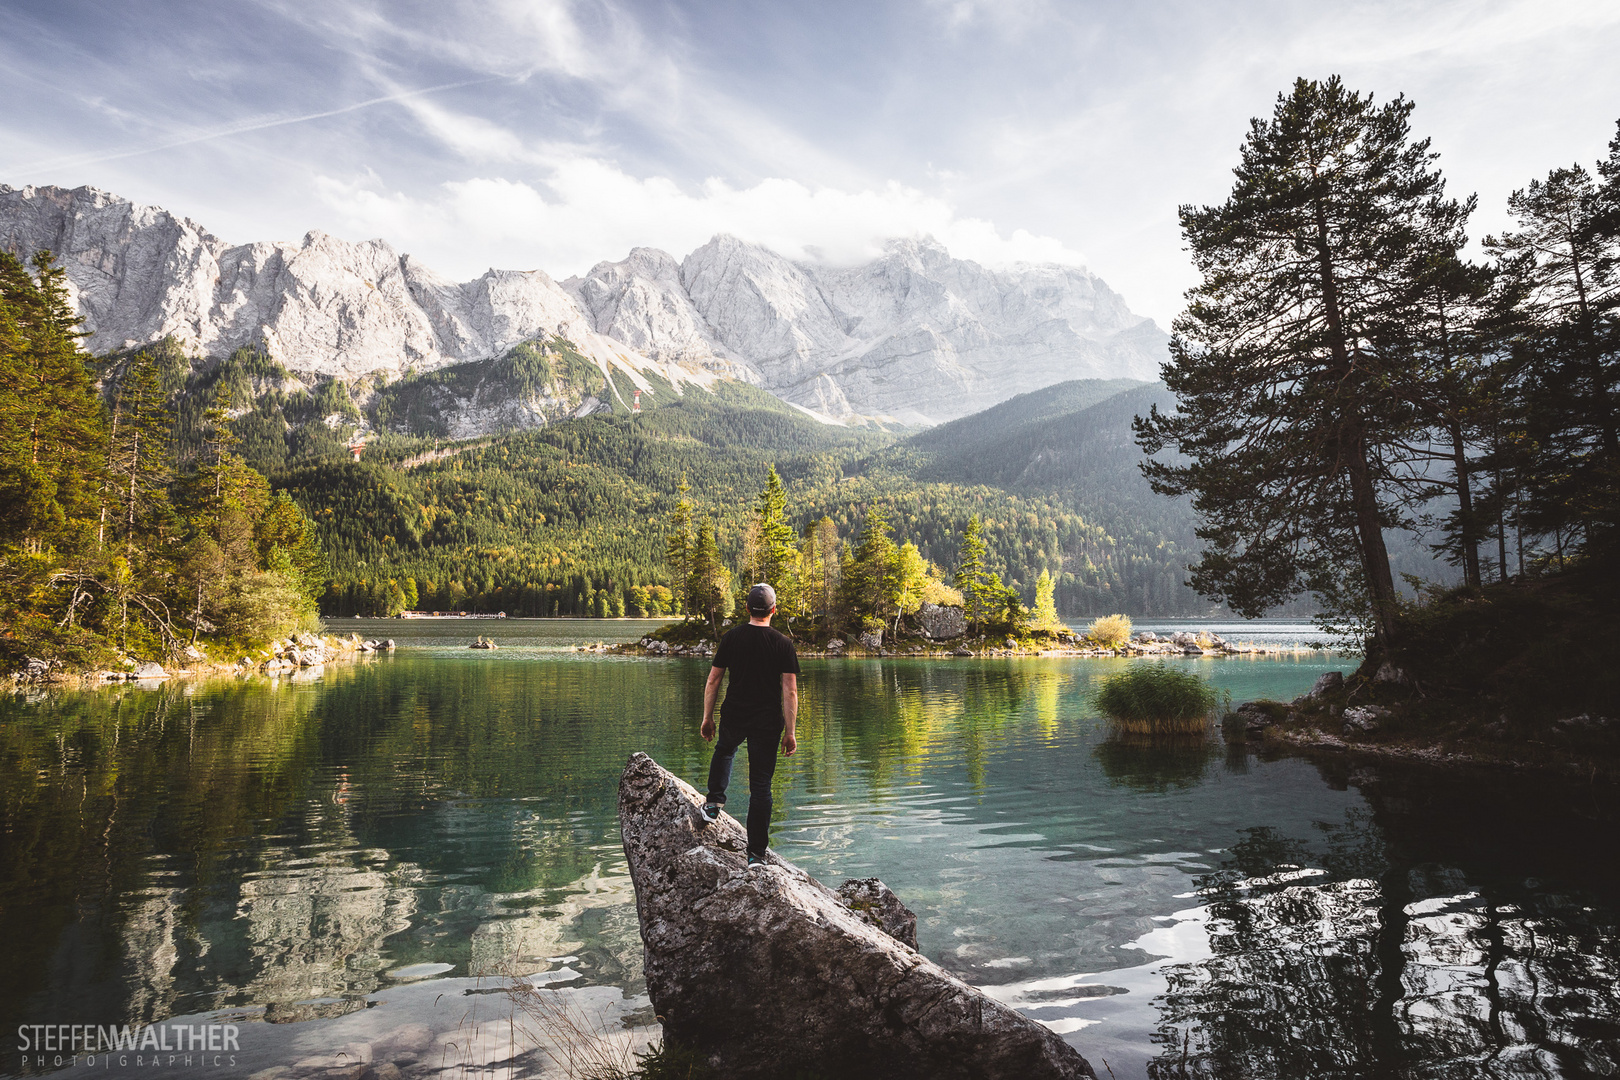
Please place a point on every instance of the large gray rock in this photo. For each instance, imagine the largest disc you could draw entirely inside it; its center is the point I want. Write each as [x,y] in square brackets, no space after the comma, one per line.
[1330,683]
[763,967]
[942,623]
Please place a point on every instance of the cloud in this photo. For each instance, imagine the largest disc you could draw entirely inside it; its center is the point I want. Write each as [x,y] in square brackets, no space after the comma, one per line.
[589,210]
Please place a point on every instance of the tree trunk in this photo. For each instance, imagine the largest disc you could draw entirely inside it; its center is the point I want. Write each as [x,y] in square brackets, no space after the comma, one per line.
[1465,507]
[1353,451]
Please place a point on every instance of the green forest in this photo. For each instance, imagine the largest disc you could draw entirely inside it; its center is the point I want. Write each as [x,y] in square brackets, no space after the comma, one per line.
[131,524]
[572,518]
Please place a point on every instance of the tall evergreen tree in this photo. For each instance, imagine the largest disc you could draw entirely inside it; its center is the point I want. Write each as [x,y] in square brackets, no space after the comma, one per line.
[777,561]
[139,455]
[1290,394]
[871,583]
[708,585]
[1563,267]
[51,429]
[678,543]
[971,578]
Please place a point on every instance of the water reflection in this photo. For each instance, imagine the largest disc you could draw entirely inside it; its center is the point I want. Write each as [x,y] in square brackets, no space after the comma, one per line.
[1144,763]
[304,850]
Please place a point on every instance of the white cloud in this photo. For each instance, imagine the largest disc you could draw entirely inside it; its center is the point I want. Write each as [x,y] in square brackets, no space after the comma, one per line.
[590,210]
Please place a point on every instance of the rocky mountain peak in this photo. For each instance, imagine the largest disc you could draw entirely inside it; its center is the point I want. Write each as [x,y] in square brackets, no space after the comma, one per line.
[915,334]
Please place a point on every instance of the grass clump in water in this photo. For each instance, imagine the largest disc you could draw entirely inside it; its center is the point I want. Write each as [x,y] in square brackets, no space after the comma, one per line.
[1111,631]
[1156,699]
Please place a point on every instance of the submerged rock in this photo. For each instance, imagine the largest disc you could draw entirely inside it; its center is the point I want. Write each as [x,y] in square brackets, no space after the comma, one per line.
[762,968]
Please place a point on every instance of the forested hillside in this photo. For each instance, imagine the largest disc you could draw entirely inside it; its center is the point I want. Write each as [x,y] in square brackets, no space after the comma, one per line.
[571,518]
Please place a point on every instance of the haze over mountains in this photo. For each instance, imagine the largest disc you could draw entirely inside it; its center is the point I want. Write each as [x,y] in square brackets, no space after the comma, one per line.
[914,336]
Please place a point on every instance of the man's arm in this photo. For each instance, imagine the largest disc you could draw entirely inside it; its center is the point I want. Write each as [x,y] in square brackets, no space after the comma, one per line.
[790,712]
[711,693]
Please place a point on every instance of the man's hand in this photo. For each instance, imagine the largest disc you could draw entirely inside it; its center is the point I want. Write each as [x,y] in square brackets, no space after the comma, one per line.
[789,743]
[706,729]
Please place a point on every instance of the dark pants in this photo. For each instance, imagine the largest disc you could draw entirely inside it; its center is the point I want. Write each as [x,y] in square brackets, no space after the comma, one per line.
[763,741]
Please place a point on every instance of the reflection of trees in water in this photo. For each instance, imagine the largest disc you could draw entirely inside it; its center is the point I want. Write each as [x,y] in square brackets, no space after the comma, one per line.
[1328,961]
[1149,763]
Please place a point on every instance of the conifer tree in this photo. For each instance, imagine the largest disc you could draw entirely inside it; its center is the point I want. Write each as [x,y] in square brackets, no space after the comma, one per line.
[777,561]
[970,576]
[1562,267]
[819,568]
[51,429]
[871,582]
[138,454]
[708,585]
[1292,403]
[678,545]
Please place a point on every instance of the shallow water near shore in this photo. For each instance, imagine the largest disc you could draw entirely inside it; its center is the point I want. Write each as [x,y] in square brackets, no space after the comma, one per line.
[365,850]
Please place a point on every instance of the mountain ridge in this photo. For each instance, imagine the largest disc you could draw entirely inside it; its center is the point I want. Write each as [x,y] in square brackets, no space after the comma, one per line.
[914,335]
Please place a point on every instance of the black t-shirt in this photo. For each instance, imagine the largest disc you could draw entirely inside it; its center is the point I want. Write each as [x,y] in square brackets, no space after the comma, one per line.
[757,657]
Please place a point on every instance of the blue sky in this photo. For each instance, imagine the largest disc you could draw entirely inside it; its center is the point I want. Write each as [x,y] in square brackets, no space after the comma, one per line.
[542,133]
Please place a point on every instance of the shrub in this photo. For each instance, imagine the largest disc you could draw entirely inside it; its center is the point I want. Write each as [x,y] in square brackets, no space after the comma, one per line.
[1155,699]
[1110,630]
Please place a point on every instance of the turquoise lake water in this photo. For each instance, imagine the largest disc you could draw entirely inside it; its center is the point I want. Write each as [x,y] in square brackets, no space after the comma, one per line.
[324,858]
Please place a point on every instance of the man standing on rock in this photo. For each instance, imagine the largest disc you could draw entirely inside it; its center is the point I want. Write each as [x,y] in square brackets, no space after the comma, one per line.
[762,706]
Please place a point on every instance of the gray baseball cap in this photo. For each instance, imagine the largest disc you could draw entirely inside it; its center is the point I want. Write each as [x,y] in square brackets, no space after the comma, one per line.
[761,598]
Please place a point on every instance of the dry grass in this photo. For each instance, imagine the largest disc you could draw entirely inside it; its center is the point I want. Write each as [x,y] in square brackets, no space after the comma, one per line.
[1111,631]
[586,1046]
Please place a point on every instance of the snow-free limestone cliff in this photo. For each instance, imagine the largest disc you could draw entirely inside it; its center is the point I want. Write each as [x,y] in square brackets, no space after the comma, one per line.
[914,335]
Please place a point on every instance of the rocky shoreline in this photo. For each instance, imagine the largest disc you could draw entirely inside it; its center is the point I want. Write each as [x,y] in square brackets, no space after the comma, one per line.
[929,646]
[1383,714]
[284,656]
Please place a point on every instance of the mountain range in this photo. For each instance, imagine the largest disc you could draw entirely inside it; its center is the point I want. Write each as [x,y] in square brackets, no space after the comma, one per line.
[915,336]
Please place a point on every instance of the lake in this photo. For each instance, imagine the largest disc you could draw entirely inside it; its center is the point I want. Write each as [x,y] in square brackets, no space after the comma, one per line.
[354,863]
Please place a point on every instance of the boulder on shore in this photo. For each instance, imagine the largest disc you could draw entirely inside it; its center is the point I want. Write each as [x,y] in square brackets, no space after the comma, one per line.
[941,623]
[763,967]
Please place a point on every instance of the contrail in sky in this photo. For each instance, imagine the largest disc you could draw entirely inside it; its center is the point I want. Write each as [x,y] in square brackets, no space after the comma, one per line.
[242,128]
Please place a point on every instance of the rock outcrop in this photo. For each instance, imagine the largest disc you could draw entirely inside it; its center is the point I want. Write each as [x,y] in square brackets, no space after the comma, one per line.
[914,335]
[765,970]
[942,622]
[322,306]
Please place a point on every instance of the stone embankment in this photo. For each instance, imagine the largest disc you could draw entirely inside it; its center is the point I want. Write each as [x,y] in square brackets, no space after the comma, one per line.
[298,652]
[764,971]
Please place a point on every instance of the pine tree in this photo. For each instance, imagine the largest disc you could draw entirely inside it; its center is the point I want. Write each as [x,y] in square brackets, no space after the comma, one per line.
[1560,267]
[777,561]
[51,429]
[708,585]
[678,545]
[871,582]
[819,568]
[970,576]
[1292,402]
[138,455]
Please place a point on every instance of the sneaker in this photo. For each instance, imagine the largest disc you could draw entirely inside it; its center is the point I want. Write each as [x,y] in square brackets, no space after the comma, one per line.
[711,811]
[755,860]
